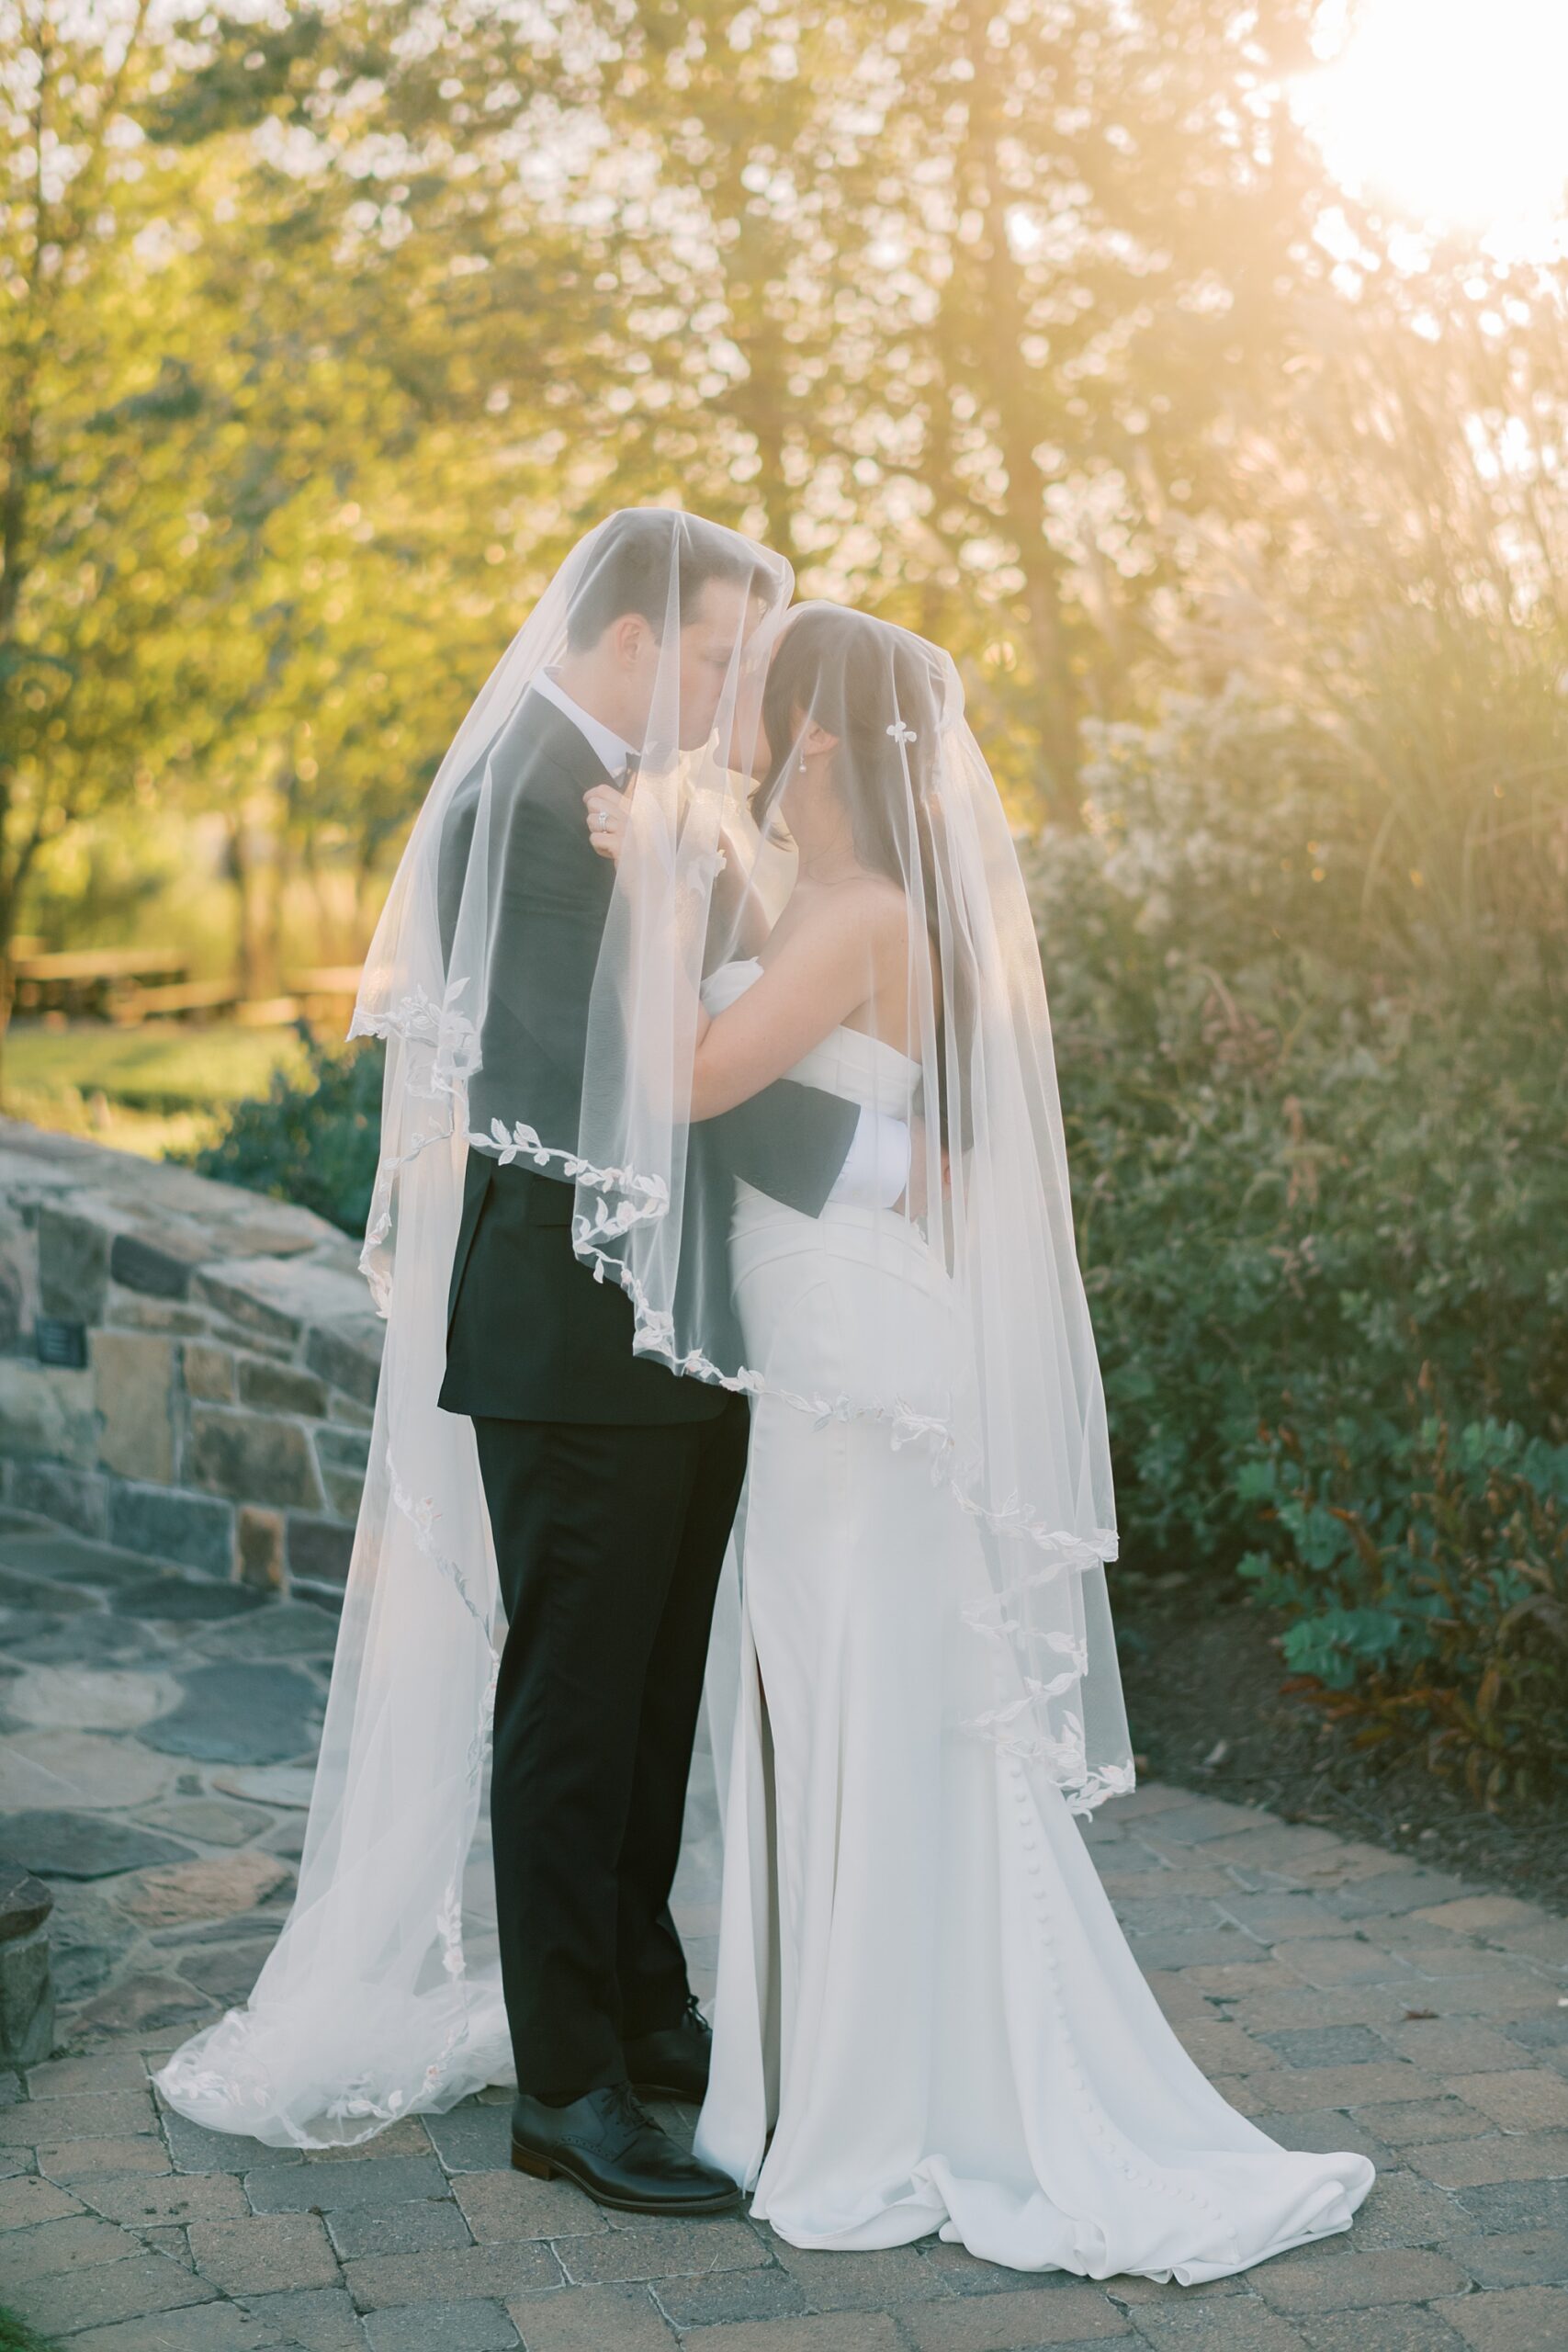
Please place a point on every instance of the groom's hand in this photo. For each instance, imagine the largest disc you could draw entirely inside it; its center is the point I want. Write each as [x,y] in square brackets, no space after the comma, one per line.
[607,809]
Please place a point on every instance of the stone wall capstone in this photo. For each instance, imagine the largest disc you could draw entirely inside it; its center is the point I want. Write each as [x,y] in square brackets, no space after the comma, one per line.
[187,1370]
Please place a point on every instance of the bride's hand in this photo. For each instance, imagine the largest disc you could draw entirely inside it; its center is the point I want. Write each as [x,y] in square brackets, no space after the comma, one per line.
[607,809]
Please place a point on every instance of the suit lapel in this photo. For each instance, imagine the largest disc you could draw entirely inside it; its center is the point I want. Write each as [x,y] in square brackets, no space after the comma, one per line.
[566,747]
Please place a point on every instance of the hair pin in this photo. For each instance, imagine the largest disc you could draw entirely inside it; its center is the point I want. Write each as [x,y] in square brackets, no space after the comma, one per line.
[902,734]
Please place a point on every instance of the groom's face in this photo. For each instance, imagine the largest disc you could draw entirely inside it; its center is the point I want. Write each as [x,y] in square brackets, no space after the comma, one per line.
[726,614]
[628,661]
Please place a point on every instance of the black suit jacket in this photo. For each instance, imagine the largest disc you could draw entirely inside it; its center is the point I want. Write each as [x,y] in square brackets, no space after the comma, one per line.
[531,1335]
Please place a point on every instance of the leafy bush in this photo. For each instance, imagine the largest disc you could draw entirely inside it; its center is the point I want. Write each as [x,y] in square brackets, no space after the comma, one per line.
[1427,1576]
[1311,1156]
[312,1138]
[1302,1236]
[1305,1160]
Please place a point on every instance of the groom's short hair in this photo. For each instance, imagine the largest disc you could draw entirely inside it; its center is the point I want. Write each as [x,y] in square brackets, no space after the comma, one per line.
[630,571]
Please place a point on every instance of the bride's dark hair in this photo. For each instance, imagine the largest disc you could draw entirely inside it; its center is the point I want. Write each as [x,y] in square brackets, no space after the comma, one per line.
[874,690]
[877,692]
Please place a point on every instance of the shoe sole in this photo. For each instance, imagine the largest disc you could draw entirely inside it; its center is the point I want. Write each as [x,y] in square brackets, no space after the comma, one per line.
[541,2168]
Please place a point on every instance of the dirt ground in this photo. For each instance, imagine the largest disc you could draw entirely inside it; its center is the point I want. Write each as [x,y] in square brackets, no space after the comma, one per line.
[1200,1670]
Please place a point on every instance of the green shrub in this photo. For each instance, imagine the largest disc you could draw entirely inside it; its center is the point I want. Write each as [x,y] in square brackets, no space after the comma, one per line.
[1304,1160]
[1314,1148]
[1425,1574]
[313,1138]
[1301,1237]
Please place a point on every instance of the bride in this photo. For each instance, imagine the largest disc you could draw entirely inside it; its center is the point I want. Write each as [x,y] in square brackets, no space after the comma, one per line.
[927,2017]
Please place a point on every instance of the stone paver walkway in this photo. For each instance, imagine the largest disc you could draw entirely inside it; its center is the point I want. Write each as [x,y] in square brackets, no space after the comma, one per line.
[156,1744]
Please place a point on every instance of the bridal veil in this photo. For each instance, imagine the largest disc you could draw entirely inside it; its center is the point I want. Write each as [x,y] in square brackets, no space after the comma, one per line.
[383,1994]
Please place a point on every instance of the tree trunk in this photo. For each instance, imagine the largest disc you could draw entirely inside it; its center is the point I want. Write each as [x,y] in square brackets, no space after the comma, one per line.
[1018,430]
[364,884]
[14,869]
[7,998]
[276,902]
[240,867]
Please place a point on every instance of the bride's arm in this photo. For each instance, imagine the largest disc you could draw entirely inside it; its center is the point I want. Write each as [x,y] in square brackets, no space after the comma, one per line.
[829,966]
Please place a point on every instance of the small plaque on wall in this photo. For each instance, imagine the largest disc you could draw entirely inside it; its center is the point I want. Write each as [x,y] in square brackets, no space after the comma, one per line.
[61,1343]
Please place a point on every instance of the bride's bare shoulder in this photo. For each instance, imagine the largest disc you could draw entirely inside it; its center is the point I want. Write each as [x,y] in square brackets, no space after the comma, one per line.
[865,909]
[873,900]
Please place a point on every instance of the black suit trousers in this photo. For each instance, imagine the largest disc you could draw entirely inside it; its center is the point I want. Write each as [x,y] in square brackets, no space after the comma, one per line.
[609,1542]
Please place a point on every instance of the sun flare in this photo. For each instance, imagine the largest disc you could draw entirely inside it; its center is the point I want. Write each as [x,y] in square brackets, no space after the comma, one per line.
[1452,112]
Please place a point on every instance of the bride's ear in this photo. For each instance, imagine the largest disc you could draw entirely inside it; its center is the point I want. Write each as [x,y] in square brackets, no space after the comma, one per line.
[816,743]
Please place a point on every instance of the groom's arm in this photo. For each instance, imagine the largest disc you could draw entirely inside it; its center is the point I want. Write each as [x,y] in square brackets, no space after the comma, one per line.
[790,1141]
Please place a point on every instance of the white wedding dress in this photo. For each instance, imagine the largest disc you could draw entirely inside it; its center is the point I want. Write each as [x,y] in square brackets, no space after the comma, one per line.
[922,1992]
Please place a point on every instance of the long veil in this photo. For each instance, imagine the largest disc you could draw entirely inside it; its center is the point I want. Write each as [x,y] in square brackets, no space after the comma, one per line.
[864,733]
[383,1994]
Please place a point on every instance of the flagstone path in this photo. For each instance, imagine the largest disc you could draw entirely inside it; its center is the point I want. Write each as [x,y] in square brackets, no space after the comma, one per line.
[156,1737]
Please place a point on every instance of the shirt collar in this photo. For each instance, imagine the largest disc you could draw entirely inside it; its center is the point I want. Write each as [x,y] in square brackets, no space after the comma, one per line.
[608,747]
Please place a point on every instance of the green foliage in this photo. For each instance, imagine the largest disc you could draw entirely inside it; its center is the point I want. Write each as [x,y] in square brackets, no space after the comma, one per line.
[311,1137]
[96,482]
[1304,1160]
[15,2336]
[259,480]
[1425,1574]
[1310,1155]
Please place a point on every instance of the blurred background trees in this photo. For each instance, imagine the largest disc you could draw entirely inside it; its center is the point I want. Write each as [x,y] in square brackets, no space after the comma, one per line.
[1042,326]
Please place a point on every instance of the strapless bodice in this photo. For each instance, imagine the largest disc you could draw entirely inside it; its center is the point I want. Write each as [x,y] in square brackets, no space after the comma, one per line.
[846,1062]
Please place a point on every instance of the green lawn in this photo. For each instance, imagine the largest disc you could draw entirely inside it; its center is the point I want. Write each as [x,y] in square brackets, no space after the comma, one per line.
[150,1089]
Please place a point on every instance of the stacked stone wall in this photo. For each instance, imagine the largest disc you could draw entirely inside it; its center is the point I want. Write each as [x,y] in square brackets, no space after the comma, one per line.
[187,1370]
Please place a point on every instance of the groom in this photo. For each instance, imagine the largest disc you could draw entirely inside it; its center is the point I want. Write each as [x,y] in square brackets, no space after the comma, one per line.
[610,1483]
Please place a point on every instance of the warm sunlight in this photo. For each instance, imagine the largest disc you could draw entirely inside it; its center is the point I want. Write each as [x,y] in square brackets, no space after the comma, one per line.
[1449,110]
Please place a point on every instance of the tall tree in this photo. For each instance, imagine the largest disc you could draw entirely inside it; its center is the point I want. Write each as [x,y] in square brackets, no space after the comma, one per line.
[1395,560]
[428,377]
[93,490]
[300,398]
[974,287]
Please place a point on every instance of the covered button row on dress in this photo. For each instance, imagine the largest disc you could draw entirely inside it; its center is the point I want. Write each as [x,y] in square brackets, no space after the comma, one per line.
[1028,1827]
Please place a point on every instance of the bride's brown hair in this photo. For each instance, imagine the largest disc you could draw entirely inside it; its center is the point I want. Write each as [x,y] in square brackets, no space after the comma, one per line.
[877,692]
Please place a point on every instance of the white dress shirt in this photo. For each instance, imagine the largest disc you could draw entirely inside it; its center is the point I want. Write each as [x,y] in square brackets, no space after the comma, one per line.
[876,1166]
[606,746]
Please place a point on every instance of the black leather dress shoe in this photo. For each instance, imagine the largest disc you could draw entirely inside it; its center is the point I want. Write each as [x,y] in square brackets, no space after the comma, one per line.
[672,2063]
[609,2144]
